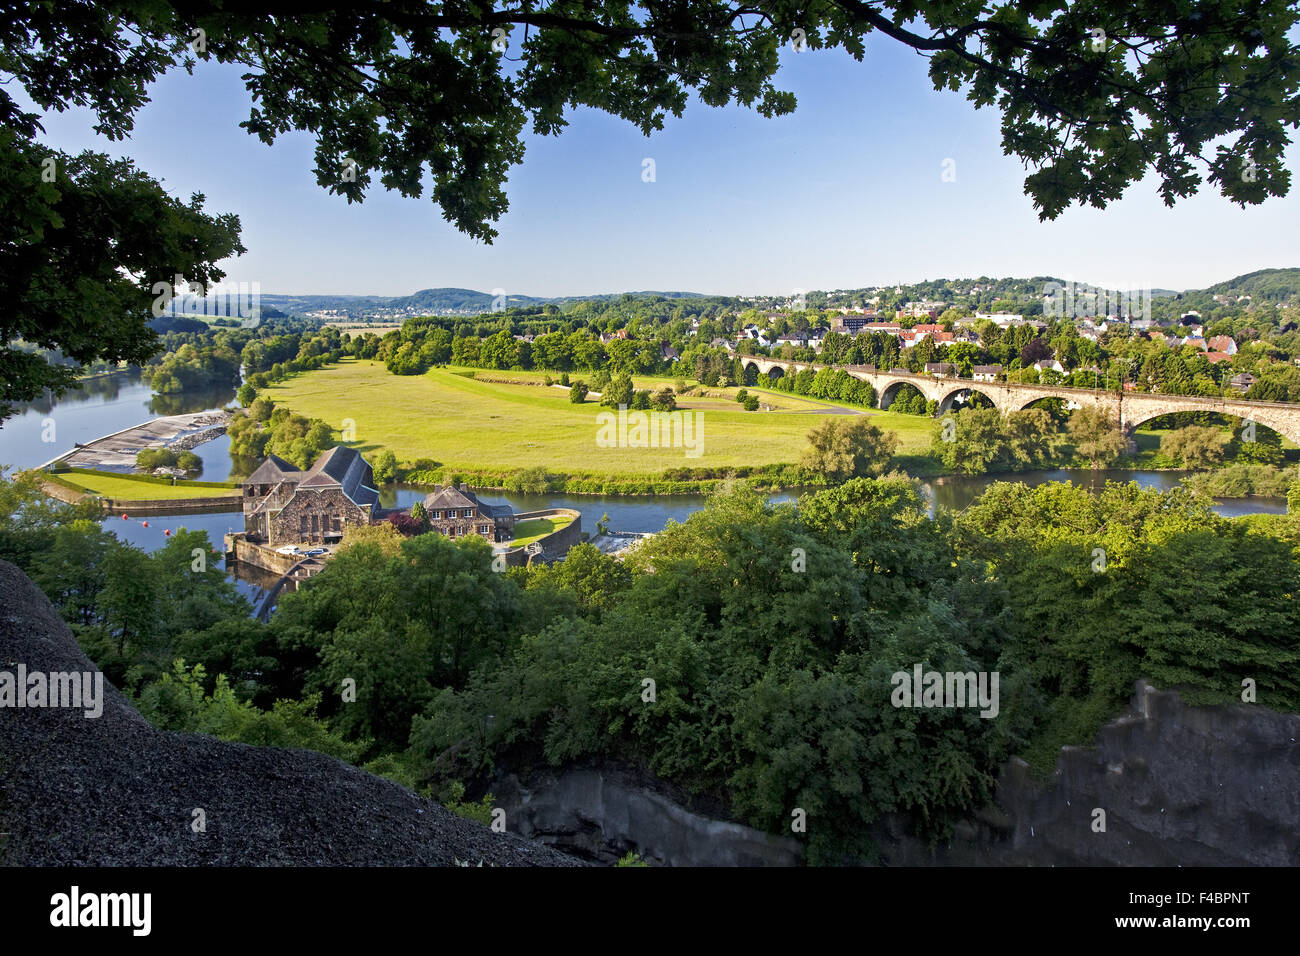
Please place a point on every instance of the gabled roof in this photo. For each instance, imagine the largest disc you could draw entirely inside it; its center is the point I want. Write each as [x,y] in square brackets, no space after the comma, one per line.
[272,471]
[451,497]
[344,468]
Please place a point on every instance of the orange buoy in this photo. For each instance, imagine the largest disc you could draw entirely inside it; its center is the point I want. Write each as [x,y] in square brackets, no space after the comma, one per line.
[168,532]
[146,524]
[124,516]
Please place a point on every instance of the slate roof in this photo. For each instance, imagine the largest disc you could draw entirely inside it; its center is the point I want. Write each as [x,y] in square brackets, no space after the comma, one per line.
[272,471]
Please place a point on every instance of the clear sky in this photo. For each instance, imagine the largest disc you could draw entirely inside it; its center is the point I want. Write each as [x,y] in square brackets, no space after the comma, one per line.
[847,192]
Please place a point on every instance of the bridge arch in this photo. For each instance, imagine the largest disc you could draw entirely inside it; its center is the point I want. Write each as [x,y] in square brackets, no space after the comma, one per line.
[947,401]
[1283,421]
[890,389]
[751,373]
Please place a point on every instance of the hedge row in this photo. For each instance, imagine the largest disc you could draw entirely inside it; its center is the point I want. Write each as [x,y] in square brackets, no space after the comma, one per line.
[148,479]
[772,477]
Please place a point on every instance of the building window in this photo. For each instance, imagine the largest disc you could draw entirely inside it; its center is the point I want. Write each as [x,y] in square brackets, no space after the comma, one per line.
[302,525]
[483,529]
[435,515]
[467,513]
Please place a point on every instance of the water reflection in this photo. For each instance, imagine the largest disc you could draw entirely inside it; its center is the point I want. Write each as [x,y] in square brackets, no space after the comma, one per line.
[956,492]
[45,428]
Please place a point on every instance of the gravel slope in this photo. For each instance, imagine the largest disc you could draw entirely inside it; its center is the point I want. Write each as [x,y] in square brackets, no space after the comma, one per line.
[114,791]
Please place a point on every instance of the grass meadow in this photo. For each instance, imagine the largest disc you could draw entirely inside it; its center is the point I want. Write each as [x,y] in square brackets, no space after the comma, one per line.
[462,422]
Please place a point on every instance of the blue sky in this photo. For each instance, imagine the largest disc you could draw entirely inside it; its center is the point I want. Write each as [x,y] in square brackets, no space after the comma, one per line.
[847,192]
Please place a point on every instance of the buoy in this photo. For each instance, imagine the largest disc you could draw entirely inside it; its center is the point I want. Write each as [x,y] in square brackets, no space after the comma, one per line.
[168,532]
[124,516]
[146,524]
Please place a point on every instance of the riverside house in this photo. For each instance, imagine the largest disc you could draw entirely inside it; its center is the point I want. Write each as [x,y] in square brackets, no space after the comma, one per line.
[457,512]
[286,505]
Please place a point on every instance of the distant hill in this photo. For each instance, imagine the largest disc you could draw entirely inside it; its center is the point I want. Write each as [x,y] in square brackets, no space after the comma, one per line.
[1025,295]
[1269,285]
[434,301]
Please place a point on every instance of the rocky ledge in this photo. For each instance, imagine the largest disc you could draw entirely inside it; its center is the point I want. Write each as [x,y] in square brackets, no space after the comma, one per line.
[114,791]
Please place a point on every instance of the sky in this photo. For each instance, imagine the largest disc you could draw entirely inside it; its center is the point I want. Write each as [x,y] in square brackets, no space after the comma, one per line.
[848,192]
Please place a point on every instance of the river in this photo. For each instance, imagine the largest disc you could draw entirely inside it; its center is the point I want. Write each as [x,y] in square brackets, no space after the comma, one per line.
[112,403]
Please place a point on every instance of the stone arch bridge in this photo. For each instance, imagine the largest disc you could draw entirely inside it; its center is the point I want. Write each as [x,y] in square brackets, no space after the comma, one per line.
[1129,409]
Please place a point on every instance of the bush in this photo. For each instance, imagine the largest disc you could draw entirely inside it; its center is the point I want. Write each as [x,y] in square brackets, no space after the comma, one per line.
[663,400]
[151,458]
[532,481]
[741,396]
[578,393]
[751,403]
[261,409]
[191,463]
[385,466]
[640,400]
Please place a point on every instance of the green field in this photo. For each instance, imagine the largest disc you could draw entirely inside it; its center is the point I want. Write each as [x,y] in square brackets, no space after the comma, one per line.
[126,488]
[526,532]
[463,423]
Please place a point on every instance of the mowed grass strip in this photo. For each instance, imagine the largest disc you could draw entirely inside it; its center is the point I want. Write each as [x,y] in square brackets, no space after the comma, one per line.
[470,424]
[125,488]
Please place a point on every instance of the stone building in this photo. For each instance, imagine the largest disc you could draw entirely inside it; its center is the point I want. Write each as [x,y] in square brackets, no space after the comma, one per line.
[286,505]
[457,512]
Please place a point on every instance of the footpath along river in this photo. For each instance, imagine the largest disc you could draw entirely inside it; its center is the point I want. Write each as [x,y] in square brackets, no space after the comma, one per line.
[110,404]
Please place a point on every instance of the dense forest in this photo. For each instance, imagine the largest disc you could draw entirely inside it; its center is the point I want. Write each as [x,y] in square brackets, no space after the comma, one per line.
[768,635]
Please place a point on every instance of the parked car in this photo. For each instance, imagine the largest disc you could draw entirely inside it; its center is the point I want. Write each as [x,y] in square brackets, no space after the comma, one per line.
[316,552]
[288,549]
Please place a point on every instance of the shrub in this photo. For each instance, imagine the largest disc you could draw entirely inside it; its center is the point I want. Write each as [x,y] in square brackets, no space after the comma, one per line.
[578,393]
[191,463]
[385,466]
[151,458]
[663,400]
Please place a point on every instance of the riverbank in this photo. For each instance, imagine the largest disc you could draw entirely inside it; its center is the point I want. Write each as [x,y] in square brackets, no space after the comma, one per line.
[118,450]
[141,494]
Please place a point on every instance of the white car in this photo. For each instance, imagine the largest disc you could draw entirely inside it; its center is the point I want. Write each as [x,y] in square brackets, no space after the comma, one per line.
[288,549]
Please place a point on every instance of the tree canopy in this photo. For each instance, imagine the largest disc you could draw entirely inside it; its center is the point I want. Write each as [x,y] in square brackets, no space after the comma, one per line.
[1094,95]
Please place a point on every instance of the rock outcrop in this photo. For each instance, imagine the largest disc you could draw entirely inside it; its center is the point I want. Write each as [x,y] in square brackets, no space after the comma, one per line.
[1178,786]
[605,812]
[113,790]
[1175,786]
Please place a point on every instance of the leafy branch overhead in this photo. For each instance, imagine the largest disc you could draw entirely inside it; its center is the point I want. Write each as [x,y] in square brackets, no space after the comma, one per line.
[1094,95]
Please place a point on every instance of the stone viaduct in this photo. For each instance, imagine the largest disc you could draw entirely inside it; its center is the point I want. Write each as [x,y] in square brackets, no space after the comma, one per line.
[1130,409]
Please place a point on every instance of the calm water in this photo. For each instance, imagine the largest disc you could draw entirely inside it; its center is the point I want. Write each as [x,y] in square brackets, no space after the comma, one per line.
[957,492]
[43,429]
[110,404]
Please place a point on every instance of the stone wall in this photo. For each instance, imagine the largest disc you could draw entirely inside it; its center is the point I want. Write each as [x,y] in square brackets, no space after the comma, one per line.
[555,545]
[602,814]
[325,505]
